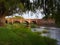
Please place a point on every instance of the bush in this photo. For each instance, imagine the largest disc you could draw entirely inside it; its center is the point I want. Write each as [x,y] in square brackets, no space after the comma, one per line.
[45,31]
[33,25]
[20,35]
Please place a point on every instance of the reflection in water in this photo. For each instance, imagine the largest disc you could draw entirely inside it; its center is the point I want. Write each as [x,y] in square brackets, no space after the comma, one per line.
[53,32]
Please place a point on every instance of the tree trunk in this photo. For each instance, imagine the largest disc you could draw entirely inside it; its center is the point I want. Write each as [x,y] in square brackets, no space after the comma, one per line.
[2,20]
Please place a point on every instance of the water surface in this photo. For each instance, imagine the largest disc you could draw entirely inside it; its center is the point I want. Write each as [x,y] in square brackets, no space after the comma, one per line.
[54,32]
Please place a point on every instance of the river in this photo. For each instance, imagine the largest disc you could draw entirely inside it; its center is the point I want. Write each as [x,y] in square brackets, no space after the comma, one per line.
[54,32]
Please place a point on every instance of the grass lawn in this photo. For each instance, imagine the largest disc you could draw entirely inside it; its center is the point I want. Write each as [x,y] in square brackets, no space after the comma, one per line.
[18,34]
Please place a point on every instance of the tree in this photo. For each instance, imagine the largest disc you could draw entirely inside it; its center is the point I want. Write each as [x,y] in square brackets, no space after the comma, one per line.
[52,9]
[9,7]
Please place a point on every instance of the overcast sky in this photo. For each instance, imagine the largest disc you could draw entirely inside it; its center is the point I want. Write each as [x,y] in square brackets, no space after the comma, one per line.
[31,15]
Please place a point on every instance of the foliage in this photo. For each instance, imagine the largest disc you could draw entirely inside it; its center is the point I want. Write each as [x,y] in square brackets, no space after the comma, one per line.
[21,35]
[45,31]
[33,25]
[18,17]
[39,33]
[9,7]
[51,8]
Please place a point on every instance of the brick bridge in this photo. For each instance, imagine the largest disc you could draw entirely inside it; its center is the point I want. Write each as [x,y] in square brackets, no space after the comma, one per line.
[35,21]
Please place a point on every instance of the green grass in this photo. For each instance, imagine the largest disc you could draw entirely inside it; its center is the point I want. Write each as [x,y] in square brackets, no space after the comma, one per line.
[18,34]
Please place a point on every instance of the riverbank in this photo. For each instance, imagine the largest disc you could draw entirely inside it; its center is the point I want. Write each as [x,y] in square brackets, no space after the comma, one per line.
[52,32]
[18,34]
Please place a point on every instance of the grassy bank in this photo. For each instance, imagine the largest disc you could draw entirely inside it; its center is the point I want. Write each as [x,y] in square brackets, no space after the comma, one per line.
[18,34]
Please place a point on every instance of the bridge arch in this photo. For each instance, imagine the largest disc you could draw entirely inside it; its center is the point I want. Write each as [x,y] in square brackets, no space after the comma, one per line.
[33,22]
[6,21]
[26,22]
[16,21]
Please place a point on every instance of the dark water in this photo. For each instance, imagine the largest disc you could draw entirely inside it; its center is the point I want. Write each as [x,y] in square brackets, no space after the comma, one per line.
[54,32]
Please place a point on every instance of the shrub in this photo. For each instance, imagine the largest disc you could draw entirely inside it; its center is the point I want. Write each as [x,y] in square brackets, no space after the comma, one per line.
[33,25]
[45,31]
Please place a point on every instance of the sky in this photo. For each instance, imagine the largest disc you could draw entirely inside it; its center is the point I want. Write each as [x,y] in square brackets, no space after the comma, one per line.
[31,1]
[31,15]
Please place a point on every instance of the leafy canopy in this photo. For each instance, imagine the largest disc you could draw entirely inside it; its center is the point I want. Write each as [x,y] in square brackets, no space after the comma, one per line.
[9,7]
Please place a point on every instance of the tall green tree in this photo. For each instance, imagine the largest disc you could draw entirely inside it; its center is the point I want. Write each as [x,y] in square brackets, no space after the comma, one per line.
[52,9]
[9,7]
